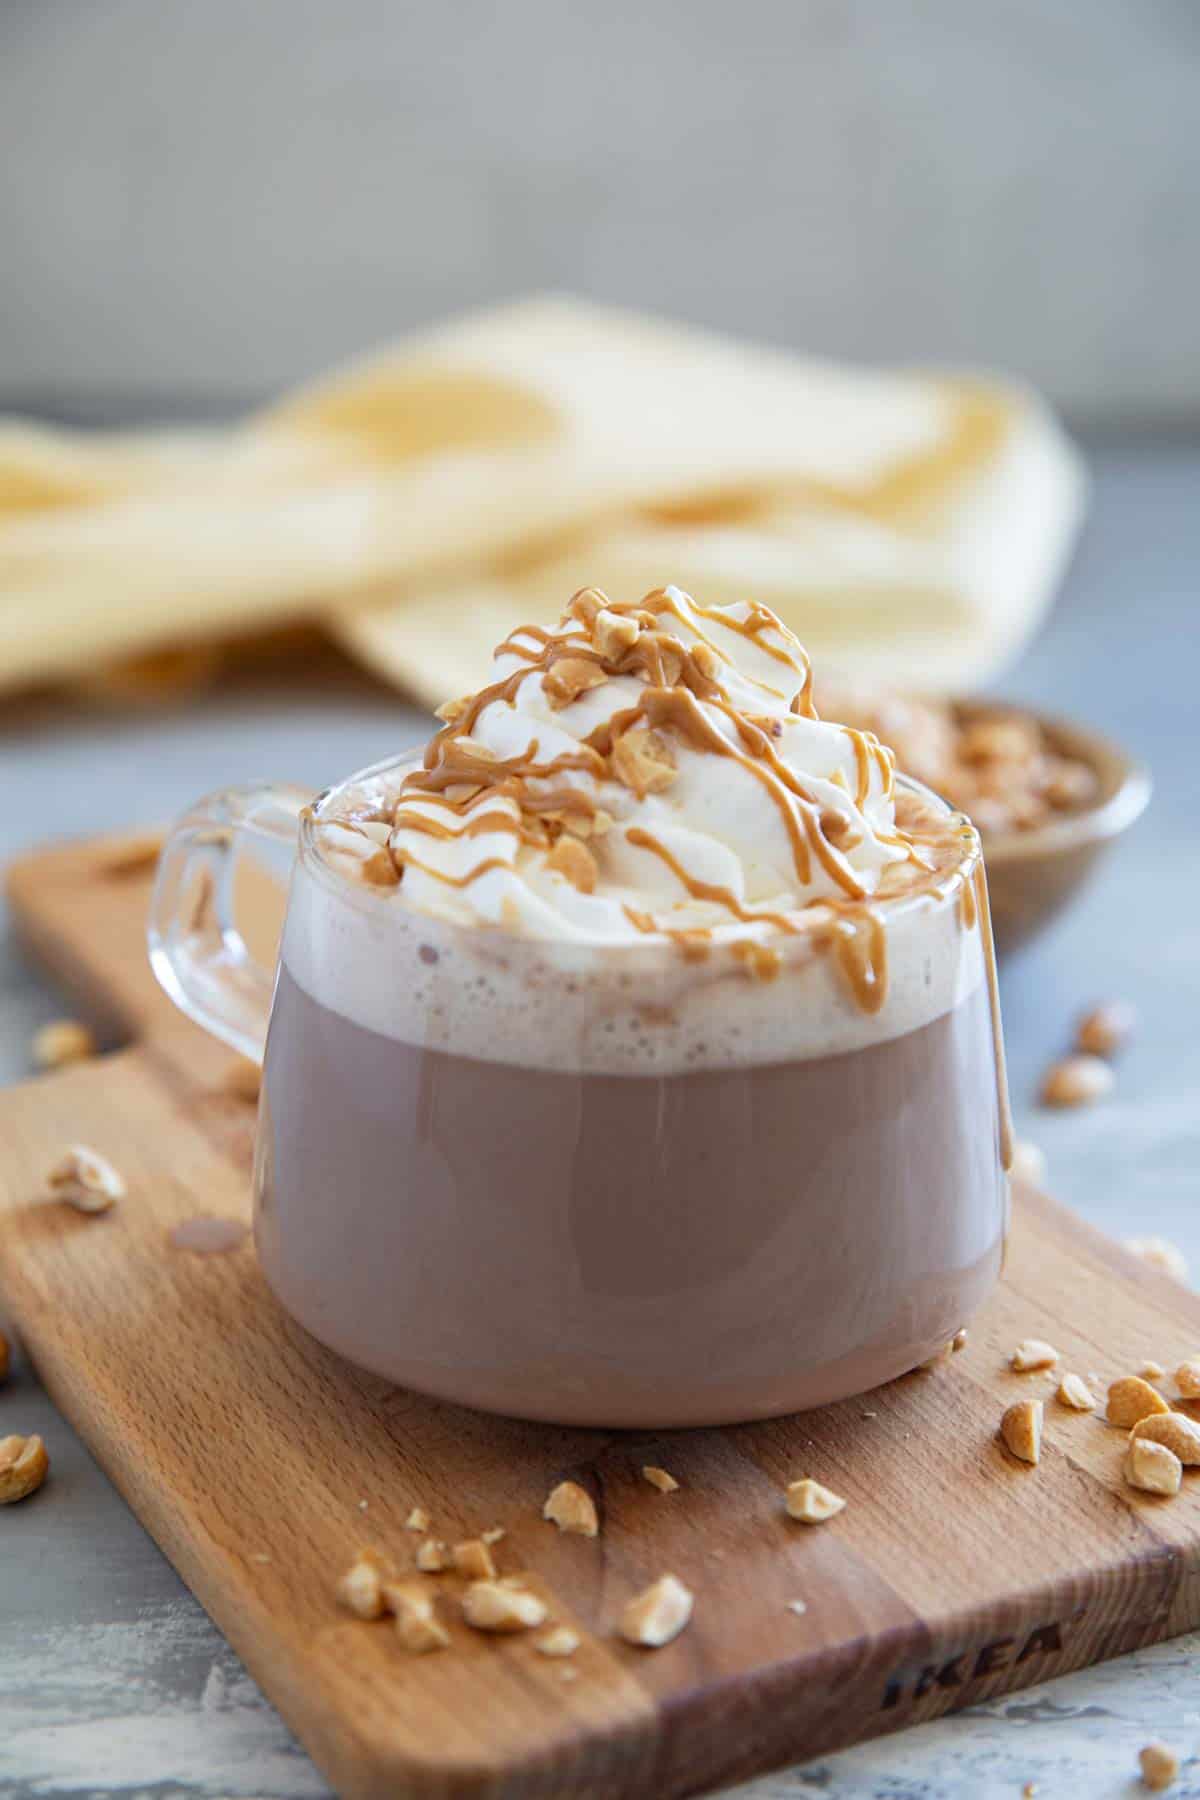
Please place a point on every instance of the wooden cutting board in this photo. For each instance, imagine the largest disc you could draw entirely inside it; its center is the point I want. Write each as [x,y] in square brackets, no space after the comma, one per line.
[261,1462]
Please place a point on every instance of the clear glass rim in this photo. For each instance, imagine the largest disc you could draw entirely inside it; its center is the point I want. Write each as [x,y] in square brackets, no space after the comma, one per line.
[382,902]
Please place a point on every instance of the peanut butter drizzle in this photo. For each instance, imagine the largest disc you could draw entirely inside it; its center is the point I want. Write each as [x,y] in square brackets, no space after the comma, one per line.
[861,947]
[675,686]
[706,890]
[1003,1107]
[405,860]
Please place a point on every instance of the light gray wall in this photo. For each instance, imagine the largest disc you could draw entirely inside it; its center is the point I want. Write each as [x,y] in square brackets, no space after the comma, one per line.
[219,195]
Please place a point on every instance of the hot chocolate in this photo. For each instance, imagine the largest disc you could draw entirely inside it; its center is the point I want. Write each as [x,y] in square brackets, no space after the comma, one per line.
[634,1057]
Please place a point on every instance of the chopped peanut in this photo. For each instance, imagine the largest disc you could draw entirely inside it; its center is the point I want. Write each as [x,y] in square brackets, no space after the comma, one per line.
[495,1606]
[1161,1254]
[60,1042]
[1106,1028]
[473,1558]
[644,760]
[1151,1371]
[1021,1429]
[493,1535]
[560,1640]
[659,1478]
[24,1465]
[1159,1765]
[1131,1399]
[85,1180]
[1032,1353]
[1077,1081]
[811,1503]
[570,676]
[575,862]
[417,1625]
[1187,1378]
[658,1614]
[432,1556]
[614,633]
[1074,1391]
[1152,1467]
[572,1508]
[1180,1434]
[1028,1162]
[417,1520]
[361,1588]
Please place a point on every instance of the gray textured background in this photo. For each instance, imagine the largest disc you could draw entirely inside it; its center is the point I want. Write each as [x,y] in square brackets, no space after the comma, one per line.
[225,194]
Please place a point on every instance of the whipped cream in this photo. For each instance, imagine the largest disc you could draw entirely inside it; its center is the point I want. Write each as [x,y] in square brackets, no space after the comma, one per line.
[646,770]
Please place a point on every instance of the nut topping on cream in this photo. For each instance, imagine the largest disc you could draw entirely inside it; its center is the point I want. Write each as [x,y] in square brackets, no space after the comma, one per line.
[658,770]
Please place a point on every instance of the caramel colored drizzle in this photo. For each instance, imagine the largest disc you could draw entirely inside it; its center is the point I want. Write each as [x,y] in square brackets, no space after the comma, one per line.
[405,860]
[491,820]
[861,946]
[460,780]
[1003,1106]
[705,890]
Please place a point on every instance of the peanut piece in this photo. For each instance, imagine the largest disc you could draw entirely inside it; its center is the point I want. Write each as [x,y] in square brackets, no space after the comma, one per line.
[1131,1399]
[572,1508]
[659,1478]
[85,1180]
[60,1042]
[1151,1371]
[417,1625]
[473,1558]
[494,1606]
[24,1465]
[811,1503]
[1074,1391]
[1180,1434]
[1033,1353]
[1021,1429]
[432,1556]
[1077,1081]
[644,760]
[658,1614]
[1029,1162]
[560,1640]
[570,676]
[417,1520]
[613,634]
[360,1589]
[1152,1467]
[1159,1765]
[1187,1378]
[1161,1254]
[1106,1028]
[575,862]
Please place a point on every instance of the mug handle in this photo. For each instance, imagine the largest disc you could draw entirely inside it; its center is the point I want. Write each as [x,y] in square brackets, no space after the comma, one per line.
[196,950]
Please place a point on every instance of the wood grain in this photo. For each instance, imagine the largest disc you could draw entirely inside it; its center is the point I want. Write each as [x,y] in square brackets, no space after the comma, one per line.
[953,1574]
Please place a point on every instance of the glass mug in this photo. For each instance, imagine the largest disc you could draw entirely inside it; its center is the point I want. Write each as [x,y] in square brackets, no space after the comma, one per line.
[611,1186]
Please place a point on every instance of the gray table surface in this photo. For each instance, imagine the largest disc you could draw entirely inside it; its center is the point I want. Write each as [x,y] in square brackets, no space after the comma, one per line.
[112,1678]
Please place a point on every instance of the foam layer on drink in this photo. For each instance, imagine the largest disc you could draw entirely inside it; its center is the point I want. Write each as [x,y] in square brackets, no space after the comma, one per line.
[629,1009]
[640,849]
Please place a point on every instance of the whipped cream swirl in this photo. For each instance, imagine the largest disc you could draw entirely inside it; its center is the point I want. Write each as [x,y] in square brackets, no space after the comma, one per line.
[641,770]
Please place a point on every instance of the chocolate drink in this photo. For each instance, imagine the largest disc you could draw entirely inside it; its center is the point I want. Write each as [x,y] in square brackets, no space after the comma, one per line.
[634,1057]
[640,1250]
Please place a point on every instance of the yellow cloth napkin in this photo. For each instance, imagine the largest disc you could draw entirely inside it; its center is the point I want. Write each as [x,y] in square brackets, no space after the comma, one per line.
[909,526]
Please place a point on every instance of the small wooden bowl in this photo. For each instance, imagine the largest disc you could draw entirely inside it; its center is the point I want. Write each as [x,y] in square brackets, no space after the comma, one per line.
[1033,874]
